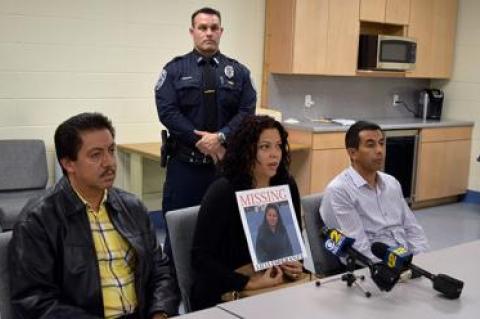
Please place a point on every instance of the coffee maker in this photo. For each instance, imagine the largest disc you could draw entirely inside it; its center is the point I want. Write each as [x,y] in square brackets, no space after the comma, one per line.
[430,104]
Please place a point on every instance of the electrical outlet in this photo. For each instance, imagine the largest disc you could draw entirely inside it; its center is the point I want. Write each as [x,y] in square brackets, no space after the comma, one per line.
[395,99]
[308,101]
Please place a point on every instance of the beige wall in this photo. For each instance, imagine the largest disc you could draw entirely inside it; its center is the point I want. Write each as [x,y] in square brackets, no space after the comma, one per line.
[462,92]
[62,57]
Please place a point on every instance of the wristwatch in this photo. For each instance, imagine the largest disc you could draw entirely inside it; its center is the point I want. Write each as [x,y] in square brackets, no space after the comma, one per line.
[221,138]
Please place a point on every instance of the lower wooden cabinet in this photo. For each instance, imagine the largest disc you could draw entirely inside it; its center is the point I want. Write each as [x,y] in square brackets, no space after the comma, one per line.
[313,170]
[326,164]
[442,169]
[443,163]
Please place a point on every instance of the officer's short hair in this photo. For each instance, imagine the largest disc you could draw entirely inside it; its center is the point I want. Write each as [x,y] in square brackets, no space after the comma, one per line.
[352,138]
[67,135]
[206,10]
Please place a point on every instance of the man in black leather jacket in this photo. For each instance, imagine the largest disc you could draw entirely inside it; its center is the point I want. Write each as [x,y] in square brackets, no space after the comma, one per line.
[53,255]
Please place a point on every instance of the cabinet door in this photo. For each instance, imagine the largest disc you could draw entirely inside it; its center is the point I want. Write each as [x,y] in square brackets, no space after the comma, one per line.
[443,162]
[279,35]
[397,11]
[444,27]
[326,164]
[385,11]
[432,23]
[443,169]
[431,170]
[457,159]
[342,37]
[421,28]
[373,10]
[311,24]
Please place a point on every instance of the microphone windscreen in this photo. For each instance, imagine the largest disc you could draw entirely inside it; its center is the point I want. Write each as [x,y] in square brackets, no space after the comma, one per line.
[380,250]
[396,257]
[337,243]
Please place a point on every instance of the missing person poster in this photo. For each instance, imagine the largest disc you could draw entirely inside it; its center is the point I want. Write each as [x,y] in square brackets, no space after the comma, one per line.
[270,226]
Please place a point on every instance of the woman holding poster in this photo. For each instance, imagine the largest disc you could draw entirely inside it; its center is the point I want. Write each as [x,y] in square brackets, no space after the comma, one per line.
[257,156]
[272,239]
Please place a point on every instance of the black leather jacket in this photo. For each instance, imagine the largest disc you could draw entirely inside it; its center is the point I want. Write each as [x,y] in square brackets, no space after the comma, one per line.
[53,264]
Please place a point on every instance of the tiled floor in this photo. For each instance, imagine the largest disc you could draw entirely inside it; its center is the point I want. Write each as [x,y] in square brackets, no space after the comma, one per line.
[450,225]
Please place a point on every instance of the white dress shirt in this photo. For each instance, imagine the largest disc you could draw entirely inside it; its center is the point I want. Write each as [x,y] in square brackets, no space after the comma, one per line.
[369,215]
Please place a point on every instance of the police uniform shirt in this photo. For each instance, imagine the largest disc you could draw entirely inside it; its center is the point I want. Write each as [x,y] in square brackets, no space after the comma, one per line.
[179,95]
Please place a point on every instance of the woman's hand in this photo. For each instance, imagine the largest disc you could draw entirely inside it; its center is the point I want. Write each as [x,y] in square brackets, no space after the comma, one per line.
[267,279]
[292,269]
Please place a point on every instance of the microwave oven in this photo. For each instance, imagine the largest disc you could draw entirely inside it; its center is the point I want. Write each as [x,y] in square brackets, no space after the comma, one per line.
[386,52]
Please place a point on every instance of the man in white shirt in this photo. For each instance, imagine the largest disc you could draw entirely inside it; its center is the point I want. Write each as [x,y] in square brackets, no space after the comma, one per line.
[367,204]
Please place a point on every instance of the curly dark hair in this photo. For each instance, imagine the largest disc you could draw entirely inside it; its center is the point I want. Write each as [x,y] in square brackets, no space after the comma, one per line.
[241,154]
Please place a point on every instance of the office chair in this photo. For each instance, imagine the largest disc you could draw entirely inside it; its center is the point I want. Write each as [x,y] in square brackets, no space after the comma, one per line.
[181,227]
[324,262]
[5,306]
[23,164]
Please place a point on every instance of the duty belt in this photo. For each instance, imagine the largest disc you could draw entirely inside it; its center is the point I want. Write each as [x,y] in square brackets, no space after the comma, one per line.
[191,155]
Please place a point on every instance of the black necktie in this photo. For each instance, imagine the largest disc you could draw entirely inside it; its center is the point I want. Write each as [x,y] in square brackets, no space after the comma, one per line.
[209,96]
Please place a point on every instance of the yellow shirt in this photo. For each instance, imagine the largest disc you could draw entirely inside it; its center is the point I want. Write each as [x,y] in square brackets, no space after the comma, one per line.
[116,262]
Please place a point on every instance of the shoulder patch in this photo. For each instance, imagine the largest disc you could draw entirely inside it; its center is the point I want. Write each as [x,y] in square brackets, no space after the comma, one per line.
[161,80]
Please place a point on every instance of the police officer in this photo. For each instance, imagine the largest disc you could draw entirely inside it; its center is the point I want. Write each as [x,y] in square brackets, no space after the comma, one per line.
[201,98]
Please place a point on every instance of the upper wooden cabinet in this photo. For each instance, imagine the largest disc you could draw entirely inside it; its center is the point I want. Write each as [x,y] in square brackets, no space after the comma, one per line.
[433,23]
[385,11]
[321,36]
[312,36]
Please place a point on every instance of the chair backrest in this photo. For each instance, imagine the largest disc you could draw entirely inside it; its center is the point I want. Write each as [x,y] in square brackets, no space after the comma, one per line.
[323,261]
[5,307]
[23,164]
[181,225]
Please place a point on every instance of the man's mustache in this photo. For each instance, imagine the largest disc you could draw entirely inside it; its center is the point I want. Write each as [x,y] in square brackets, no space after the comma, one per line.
[108,171]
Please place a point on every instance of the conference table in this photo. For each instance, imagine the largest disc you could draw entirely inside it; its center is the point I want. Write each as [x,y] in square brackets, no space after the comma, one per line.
[415,298]
[137,152]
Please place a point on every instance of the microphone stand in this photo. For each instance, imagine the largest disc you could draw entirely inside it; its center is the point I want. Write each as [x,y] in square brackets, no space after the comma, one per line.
[350,278]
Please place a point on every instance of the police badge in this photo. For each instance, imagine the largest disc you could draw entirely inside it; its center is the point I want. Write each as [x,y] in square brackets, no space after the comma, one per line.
[162,78]
[229,73]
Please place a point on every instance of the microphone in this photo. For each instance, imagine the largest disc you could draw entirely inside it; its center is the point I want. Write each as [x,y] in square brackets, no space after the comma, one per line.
[340,245]
[398,258]
[450,287]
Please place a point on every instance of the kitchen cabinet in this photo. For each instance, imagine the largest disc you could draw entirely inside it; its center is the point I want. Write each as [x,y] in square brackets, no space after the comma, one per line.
[315,37]
[433,23]
[312,36]
[313,170]
[443,163]
[320,37]
[385,11]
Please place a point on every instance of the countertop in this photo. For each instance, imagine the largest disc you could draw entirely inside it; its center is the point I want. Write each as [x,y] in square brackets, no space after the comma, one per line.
[385,124]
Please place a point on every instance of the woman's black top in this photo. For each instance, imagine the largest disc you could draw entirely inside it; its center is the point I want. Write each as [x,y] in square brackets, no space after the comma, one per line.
[220,245]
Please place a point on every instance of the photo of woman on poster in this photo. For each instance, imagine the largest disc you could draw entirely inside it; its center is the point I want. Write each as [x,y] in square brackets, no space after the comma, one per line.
[272,239]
